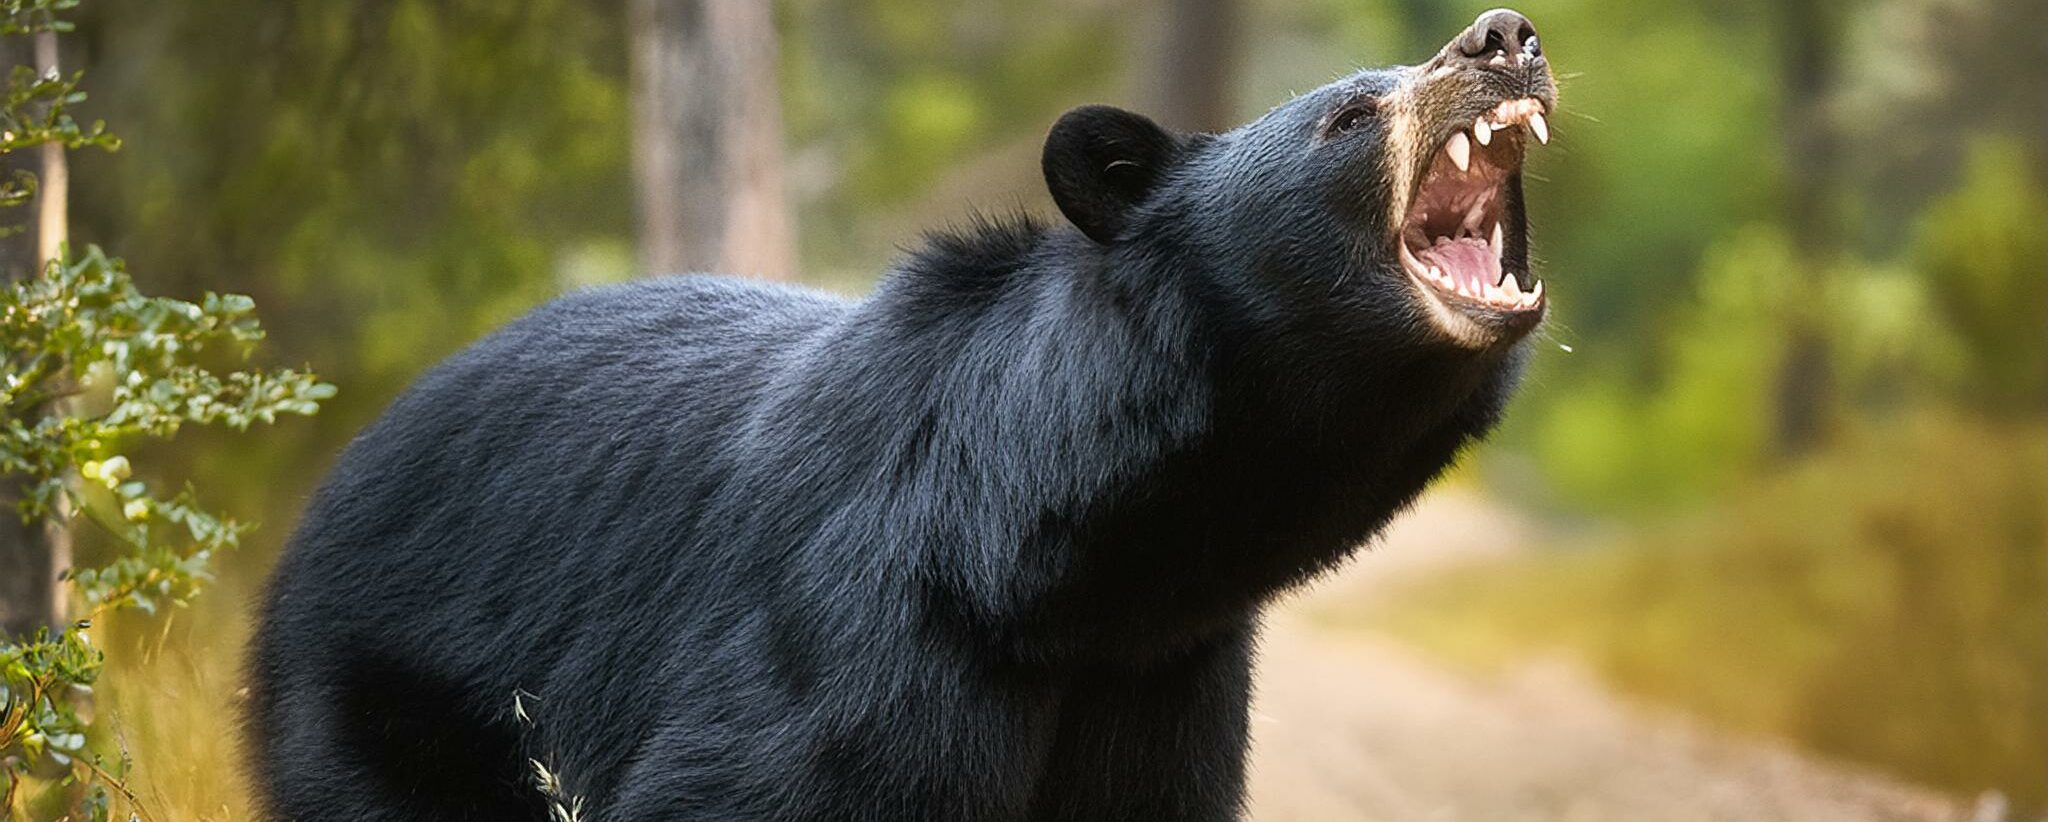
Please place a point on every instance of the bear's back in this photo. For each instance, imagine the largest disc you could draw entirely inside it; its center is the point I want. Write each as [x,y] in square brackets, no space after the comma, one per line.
[556,458]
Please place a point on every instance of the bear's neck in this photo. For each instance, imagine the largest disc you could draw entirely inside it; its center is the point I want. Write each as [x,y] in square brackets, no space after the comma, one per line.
[1114,478]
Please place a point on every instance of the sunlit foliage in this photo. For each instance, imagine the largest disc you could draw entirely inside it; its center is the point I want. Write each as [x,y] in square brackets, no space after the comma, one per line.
[93,366]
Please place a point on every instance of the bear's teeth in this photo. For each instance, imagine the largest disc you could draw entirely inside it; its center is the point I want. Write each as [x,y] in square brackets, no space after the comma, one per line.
[1499,240]
[1460,150]
[1542,129]
[1482,132]
[1511,287]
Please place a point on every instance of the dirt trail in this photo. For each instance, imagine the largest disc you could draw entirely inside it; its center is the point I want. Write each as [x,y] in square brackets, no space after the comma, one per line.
[1352,728]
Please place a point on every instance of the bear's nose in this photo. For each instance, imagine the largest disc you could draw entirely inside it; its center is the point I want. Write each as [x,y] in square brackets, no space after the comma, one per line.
[1502,31]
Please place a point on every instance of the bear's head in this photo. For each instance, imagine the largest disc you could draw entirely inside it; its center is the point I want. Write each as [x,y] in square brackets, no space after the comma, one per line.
[1383,211]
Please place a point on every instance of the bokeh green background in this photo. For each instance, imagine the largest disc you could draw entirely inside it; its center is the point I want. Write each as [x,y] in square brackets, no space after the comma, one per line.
[392,178]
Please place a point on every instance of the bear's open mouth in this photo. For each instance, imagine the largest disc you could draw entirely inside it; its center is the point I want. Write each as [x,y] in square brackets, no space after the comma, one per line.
[1460,236]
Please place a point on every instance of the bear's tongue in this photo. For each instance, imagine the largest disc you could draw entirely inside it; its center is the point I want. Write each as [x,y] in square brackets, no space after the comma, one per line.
[1471,263]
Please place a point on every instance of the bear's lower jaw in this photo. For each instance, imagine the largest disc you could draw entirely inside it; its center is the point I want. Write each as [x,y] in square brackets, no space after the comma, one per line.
[1471,269]
[1464,280]
[1477,324]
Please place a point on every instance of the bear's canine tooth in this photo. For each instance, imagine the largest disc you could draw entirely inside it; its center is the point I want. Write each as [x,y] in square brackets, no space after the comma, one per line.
[1482,132]
[1542,129]
[1460,149]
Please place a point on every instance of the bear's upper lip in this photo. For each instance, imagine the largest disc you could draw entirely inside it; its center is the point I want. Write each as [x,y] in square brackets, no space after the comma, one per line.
[1458,237]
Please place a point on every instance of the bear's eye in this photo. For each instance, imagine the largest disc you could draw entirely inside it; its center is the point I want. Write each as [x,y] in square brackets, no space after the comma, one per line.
[1350,117]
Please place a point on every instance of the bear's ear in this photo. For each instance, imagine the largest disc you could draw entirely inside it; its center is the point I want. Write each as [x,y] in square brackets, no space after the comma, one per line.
[1100,162]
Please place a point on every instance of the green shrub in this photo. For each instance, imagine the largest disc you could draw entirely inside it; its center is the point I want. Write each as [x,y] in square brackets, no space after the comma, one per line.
[1984,252]
[1698,420]
[1619,440]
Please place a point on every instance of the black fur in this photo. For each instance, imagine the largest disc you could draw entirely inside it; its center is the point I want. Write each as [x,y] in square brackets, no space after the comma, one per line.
[1101,162]
[991,544]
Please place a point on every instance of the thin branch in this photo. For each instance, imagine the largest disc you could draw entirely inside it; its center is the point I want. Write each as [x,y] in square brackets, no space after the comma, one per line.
[134,802]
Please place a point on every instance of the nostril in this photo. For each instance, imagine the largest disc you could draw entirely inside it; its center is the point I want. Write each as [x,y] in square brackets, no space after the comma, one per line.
[1502,30]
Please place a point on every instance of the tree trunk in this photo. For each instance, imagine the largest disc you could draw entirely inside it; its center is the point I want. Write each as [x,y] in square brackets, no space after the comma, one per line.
[707,138]
[29,589]
[34,555]
[53,197]
[1805,383]
[1197,66]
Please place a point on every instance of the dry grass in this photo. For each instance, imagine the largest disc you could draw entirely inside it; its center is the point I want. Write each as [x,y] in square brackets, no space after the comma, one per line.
[170,698]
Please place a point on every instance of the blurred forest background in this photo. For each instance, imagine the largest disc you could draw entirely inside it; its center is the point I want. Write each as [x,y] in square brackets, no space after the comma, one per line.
[1786,422]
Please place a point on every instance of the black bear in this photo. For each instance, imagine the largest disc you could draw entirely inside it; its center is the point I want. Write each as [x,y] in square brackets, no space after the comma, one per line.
[991,544]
